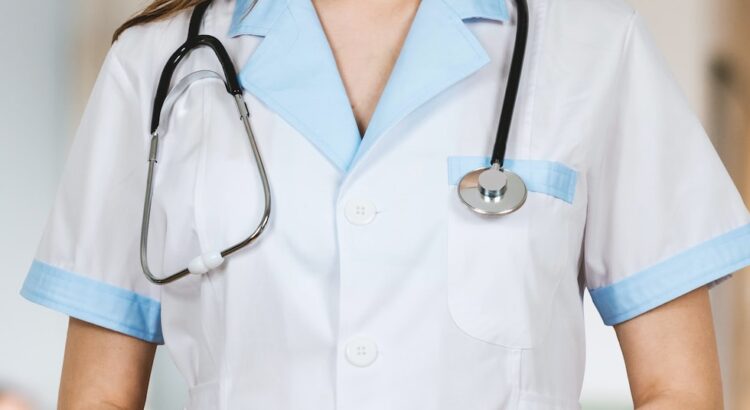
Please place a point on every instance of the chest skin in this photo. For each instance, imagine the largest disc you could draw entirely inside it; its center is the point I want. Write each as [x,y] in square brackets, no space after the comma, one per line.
[366,40]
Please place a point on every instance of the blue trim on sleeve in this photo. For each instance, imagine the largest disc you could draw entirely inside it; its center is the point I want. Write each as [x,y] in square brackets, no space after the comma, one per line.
[547,177]
[700,265]
[95,302]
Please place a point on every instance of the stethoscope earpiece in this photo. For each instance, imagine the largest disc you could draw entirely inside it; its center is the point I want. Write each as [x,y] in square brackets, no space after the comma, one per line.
[492,191]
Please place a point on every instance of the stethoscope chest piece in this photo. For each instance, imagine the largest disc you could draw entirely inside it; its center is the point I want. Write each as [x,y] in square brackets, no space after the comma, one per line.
[492,191]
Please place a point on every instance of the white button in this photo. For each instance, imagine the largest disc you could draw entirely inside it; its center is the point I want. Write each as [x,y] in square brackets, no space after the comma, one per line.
[360,211]
[361,351]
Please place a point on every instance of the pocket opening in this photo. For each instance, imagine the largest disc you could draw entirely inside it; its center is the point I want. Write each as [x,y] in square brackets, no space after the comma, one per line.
[547,177]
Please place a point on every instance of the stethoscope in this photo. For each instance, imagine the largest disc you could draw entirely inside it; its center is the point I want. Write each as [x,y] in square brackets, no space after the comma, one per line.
[490,190]
[494,190]
[163,103]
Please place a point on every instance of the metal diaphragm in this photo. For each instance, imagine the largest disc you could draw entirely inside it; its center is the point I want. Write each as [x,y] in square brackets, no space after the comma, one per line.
[492,191]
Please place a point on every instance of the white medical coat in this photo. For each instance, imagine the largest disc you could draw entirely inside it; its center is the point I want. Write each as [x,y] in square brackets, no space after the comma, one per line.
[374,287]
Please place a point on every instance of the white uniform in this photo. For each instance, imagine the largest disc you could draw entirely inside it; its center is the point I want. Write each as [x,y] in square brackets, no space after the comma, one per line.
[374,287]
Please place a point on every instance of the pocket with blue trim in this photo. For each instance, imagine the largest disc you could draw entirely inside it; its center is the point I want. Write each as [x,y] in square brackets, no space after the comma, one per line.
[505,272]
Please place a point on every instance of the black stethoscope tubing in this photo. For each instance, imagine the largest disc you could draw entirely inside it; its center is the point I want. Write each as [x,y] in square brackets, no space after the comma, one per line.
[513,84]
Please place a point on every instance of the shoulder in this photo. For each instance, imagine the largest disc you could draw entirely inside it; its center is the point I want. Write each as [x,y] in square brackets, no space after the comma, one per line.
[601,25]
[592,14]
[586,39]
[142,50]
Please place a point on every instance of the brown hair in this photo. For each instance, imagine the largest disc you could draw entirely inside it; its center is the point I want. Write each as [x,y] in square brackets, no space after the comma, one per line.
[157,10]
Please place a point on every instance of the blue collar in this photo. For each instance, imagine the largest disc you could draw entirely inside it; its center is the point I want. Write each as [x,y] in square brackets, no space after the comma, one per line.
[296,75]
[265,12]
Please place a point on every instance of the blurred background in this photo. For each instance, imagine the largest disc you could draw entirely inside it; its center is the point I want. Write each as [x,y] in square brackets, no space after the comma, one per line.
[53,50]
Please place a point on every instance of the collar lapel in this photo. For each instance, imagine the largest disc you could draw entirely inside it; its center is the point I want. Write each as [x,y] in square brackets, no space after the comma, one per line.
[486,9]
[255,17]
[293,70]
[439,51]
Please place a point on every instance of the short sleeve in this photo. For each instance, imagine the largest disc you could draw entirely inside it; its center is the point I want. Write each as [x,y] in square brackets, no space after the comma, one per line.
[663,215]
[87,264]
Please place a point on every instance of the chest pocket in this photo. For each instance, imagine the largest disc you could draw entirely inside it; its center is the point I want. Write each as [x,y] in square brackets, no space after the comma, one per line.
[504,270]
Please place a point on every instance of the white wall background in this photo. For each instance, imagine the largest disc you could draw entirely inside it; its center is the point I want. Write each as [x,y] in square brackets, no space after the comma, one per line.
[38,113]
[37,119]
[32,137]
